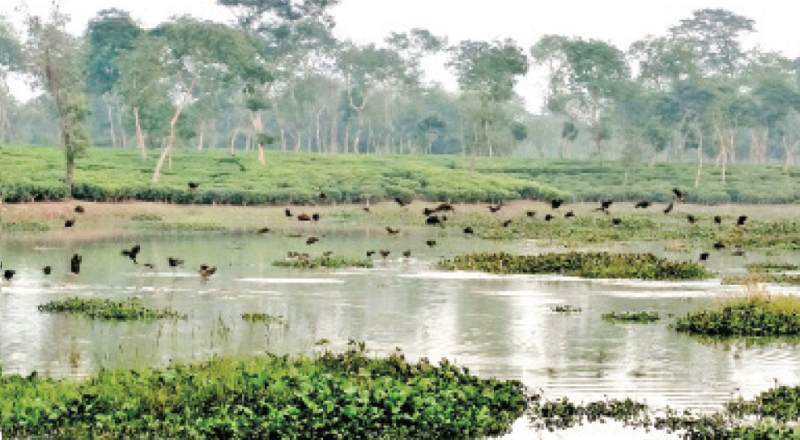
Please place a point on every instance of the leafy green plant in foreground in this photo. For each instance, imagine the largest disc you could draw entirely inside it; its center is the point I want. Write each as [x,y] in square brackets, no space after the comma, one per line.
[334,396]
[106,309]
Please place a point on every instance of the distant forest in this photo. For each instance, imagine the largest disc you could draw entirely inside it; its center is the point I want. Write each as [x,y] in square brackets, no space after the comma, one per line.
[278,79]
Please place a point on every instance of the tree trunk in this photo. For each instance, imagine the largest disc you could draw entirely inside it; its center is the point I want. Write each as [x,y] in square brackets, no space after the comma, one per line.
[70,172]
[111,130]
[167,152]
[699,161]
[788,153]
[233,141]
[139,135]
[200,140]
[759,138]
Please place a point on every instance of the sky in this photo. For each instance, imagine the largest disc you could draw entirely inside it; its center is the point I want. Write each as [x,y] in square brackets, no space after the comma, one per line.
[620,22]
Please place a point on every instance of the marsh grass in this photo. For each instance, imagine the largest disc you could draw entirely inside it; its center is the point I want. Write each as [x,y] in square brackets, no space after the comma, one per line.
[330,262]
[264,318]
[636,317]
[347,395]
[105,309]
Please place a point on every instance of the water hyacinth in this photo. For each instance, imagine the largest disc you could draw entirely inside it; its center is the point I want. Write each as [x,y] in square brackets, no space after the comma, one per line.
[752,316]
[583,264]
[642,317]
[329,262]
[105,309]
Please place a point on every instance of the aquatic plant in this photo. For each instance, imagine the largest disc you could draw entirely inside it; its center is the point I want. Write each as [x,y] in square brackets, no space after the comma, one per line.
[330,262]
[754,315]
[566,309]
[265,318]
[583,264]
[105,309]
[333,396]
[563,413]
[642,317]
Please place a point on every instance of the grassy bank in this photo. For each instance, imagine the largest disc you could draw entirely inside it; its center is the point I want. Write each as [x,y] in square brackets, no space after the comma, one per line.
[35,173]
[347,395]
[583,264]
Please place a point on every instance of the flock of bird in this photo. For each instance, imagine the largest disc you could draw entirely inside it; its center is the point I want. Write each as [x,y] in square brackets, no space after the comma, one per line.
[433,217]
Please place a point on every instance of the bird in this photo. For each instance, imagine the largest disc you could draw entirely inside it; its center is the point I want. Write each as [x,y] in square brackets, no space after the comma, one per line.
[741,220]
[717,219]
[643,204]
[431,243]
[704,256]
[506,223]
[370,253]
[719,245]
[8,274]
[427,212]
[530,213]
[385,253]
[365,208]
[132,252]
[469,230]
[323,196]
[400,201]
[327,253]
[75,264]
[407,254]
[304,218]
[669,207]
[739,253]
[206,271]
[392,231]
[495,208]
[555,204]
[315,217]
[311,240]
[569,214]
[47,270]
[69,223]
[691,218]
[444,207]
[604,205]
[174,262]
[680,195]
[79,209]
[288,212]
[193,185]
[264,230]
[433,220]
[149,265]
[616,221]
[548,217]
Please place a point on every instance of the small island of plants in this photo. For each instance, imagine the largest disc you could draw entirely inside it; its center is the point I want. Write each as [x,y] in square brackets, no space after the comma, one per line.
[108,310]
[640,317]
[328,262]
[754,315]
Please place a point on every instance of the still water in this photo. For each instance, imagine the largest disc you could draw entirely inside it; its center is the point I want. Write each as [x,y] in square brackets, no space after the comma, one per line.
[498,326]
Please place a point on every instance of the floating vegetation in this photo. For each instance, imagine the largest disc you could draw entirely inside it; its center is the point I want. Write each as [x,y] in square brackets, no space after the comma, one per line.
[106,309]
[641,317]
[330,262]
[347,395]
[583,264]
[566,309]
[562,414]
[265,318]
[755,315]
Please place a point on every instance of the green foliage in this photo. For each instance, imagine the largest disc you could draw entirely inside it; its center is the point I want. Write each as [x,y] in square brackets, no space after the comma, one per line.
[641,317]
[751,316]
[330,262]
[348,395]
[104,309]
[583,264]
[782,403]
[562,414]
[566,309]
[264,318]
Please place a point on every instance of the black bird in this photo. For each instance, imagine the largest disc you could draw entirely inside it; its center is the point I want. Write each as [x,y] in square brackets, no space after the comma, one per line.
[132,252]
[555,204]
[312,240]
[691,218]
[366,208]
[407,254]
[370,253]
[569,214]
[392,231]
[315,217]
[431,243]
[444,207]
[604,205]
[530,213]
[79,209]
[704,256]
[669,207]
[193,185]
[433,220]
[385,253]
[741,220]
[427,212]
[495,208]
[400,201]
[548,217]
[643,204]
[47,270]
[678,194]
[69,223]
[264,230]
[719,245]
[149,266]
[174,262]
[717,219]
[75,264]
[506,223]
[616,221]
[304,218]
[739,253]
[323,196]
[206,271]
[468,230]
[8,274]
[288,212]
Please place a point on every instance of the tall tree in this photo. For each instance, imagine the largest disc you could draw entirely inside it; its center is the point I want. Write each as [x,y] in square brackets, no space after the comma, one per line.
[716,34]
[10,60]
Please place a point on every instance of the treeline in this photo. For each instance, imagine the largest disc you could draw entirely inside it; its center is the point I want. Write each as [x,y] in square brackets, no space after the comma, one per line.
[280,80]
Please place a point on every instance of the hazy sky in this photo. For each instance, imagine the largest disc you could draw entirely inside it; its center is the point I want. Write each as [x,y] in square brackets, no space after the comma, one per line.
[618,21]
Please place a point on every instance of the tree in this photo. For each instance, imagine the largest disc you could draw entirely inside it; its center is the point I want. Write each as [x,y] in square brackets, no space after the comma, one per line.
[10,60]
[716,35]
[490,72]
[662,62]
[54,59]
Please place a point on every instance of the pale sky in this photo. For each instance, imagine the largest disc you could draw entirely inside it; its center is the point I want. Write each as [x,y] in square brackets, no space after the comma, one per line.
[618,21]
